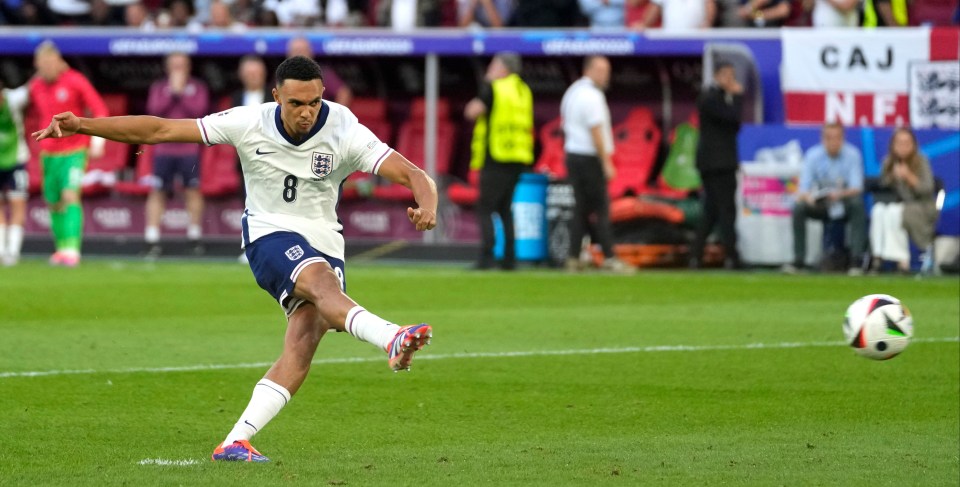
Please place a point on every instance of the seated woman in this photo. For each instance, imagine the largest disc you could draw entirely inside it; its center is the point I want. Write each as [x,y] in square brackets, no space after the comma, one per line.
[914,214]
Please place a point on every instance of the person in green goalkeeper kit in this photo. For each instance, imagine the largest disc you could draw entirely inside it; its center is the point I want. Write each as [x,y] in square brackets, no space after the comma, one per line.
[56,89]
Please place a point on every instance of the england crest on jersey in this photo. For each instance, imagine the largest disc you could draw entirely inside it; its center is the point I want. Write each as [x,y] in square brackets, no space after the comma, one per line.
[322,164]
[294,253]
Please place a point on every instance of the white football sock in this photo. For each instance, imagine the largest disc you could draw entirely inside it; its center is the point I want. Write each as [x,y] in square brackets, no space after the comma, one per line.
[194,232]
[3,240]
[14,240]
[151,234]
[369,327]
[268,399]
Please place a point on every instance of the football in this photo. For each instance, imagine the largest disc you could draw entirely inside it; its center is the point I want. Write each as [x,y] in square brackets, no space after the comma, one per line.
[878,326]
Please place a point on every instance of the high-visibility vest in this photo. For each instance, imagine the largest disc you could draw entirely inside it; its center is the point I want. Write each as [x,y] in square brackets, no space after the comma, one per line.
[870,15]
[507,128]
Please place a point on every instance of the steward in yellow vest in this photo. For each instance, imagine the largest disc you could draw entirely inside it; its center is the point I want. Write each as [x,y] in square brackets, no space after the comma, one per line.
[885,13]
[502,149]
[505,133]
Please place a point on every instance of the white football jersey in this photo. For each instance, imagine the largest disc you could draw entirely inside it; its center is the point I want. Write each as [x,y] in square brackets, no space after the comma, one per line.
[292,186]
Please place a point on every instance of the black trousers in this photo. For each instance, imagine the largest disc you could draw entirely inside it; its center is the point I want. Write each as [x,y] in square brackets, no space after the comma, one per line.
[585,174]
[497,182]
[719,207]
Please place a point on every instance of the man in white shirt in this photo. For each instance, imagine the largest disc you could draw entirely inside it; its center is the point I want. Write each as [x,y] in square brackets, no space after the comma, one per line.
[588,146]
[682,15]
[834,13]
[295,153]
[254,91]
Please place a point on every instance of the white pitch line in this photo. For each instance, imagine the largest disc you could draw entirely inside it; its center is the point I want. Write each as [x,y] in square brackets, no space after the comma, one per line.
[168,463]
[465,355]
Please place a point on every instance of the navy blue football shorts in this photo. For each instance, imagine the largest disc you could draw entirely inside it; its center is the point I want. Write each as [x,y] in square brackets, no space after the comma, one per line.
[14,181]
[166,169]
[278,259]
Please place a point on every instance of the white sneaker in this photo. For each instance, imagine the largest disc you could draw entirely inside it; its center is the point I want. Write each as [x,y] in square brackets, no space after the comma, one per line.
[618,266]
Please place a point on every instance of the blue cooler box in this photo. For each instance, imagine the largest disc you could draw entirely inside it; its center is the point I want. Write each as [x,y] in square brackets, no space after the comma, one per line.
[529,219]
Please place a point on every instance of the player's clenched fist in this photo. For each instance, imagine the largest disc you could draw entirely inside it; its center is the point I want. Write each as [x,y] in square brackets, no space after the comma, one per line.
[422,218]
[63,125]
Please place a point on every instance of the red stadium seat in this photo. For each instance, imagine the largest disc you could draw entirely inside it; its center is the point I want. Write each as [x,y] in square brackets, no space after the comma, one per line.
[372,113]
[933,12]
[410,144]
[102,171]
[419,108]
[140,186]
[551,161]
[218,171]
[636,144]
[466,194]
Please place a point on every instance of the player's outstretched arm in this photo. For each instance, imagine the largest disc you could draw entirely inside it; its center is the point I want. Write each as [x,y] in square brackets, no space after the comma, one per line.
[136,129]
[398,169]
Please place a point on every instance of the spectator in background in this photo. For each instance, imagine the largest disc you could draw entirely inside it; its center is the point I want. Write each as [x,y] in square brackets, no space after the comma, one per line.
[136,15]
[294,13]
[502,150]
[588,145]
[101,15]
[764,13]
[70,12]
[221,18]
[719,108]
[244,11]
[545,13]
[334,87]
[484,13]
[681,15]
[178,14]
[604,13]
[177,96]
[346,13]
[14,179]
[728,14]
[833,13]
[266,18]
[913,212]
[831,188]
[641,15]
[406,15]
[253,79]
[56,89]
[25,12]
[254,92]
[885,13]
[116,10]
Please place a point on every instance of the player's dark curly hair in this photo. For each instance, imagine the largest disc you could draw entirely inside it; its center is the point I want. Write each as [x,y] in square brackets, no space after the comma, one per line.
[300,68]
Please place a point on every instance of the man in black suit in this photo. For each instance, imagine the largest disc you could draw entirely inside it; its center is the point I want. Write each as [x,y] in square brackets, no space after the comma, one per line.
[719,107]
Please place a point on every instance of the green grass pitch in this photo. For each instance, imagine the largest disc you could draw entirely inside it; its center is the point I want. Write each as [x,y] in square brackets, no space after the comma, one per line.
[533,378]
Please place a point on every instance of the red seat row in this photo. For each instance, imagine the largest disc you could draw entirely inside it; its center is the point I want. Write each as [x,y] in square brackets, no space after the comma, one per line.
[636,146]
